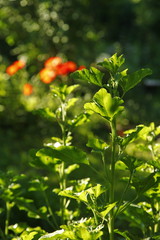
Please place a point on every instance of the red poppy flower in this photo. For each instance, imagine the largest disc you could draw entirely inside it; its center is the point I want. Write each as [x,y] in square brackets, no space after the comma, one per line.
[27,89]
[19,64]
[65,68]
[47,75]
[52,62]
[12,69]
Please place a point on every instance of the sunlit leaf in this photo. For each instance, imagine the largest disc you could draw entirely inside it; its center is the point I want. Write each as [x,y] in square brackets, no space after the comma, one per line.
[93,75]
[18,227]
[71,88]
[28,206]
[79,120]
[62,91]
[157,237]
[32,233]
[38,184]
[47,156]
[29,236]
[131,162]
[97,145]
[71,102]
[142,185]
[131,135]
[109,207]
[46,113]
[70,155]
[131,80]
[71,168]
[113,63]
[105,105]
[59,234]
[123,234]
[96,190]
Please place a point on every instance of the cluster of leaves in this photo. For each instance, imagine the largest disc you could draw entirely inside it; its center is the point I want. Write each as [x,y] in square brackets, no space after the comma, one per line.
[133,160]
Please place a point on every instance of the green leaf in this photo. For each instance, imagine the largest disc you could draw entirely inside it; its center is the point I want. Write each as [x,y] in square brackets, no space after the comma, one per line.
[123,234]
[96,190]
[147,132]
[38,184]
[105,105]
[131,162]
[62,91]
[109,207]
[71,168]
[71,88]
[46,113]
[97,145]
[131,80]
[67,154]
[93,75]
[28,206]
[131,135]
[157,237]
[144,184]
[59,234]
[70,155]
[71,102]
[113,63]
[29,236]
[79,120]
[154,162]
[18,228]
[32,233]
[80,196]
[47,156]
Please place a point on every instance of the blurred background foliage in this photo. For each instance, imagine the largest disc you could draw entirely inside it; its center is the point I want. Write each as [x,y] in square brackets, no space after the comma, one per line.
[82,31]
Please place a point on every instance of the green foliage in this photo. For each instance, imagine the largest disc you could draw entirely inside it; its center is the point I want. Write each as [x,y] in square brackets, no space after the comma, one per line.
[77,230]
[68,154]
[130,81]
[113,63]
[92,75]
[62,197]
[105,105]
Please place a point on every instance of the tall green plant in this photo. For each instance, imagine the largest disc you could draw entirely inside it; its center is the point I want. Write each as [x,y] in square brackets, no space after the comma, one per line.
[108,103]
[131,161]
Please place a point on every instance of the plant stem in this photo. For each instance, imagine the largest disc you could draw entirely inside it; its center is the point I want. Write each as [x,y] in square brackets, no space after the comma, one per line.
[94,213]
[125,190]
[8,208]
[62,167]
[62,187]
[49,208]
[112,183]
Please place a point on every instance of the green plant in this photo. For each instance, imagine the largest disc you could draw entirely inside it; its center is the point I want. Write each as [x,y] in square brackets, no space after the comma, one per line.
[124,186]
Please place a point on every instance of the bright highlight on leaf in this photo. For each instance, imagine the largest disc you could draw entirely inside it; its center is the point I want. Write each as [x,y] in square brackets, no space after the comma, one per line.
[68,154]
[105,105]
[113,63]
[93,75]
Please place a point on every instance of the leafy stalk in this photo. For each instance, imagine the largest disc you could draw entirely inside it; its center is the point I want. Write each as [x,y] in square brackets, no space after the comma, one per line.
[49,208]
[112,182]
[125,190]
[8,209]
[62,167]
